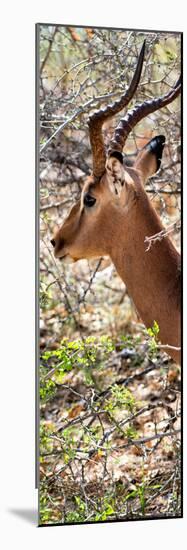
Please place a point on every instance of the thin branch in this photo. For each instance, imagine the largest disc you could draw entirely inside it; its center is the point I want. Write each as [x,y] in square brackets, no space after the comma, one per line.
[51,40]
[167,346]
[79,111]
[162,234]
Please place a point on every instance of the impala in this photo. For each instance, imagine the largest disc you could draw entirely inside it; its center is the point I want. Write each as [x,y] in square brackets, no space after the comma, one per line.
[115,215]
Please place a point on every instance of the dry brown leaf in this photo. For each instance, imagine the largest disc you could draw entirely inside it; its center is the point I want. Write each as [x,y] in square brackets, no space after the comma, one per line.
[89,32]
[75,411]
[74,34]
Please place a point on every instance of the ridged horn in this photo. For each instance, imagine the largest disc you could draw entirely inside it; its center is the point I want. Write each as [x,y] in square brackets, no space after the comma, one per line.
[98,118]
[134,116]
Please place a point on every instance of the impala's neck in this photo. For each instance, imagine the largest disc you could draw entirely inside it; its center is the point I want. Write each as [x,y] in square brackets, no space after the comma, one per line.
[153,277]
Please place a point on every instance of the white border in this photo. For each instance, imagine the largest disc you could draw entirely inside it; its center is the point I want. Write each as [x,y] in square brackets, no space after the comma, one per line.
[17,267]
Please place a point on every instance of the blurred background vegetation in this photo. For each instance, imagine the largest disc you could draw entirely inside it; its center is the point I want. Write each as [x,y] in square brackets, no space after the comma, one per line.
[109,396]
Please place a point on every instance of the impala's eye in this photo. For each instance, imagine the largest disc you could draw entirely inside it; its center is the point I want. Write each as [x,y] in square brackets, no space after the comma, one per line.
[89,200]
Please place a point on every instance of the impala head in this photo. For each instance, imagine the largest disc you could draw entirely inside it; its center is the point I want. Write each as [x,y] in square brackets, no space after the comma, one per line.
[113,188]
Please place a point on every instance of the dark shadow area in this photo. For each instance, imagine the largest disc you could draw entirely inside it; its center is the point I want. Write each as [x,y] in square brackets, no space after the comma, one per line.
[30,515]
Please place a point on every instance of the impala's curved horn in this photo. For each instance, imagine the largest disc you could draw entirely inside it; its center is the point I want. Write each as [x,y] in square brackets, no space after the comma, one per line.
[134,116]
[99,117]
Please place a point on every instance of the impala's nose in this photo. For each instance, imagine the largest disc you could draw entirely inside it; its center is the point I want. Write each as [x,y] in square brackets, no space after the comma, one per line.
[53,242]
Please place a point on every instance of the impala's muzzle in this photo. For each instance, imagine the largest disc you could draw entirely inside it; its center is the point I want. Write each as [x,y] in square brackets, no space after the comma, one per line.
[58,245]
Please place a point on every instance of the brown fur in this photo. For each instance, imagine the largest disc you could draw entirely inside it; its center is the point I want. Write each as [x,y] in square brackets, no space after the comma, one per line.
[117,226]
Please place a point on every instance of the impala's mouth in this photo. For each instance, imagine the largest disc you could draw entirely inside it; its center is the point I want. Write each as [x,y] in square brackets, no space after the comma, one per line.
[67,259]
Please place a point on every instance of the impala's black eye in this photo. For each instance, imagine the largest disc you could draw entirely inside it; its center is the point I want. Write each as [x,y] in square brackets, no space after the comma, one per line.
[89,200]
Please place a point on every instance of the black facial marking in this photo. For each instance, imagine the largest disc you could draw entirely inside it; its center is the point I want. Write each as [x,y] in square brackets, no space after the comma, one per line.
[156,146]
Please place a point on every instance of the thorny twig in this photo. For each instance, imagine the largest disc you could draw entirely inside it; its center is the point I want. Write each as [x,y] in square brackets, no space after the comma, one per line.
[162,234]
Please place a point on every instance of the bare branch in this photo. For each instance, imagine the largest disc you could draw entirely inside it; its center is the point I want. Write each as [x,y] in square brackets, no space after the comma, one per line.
[162,234]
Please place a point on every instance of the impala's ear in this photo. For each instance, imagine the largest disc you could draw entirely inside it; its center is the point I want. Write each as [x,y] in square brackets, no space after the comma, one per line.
[149,158]
[115,172]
